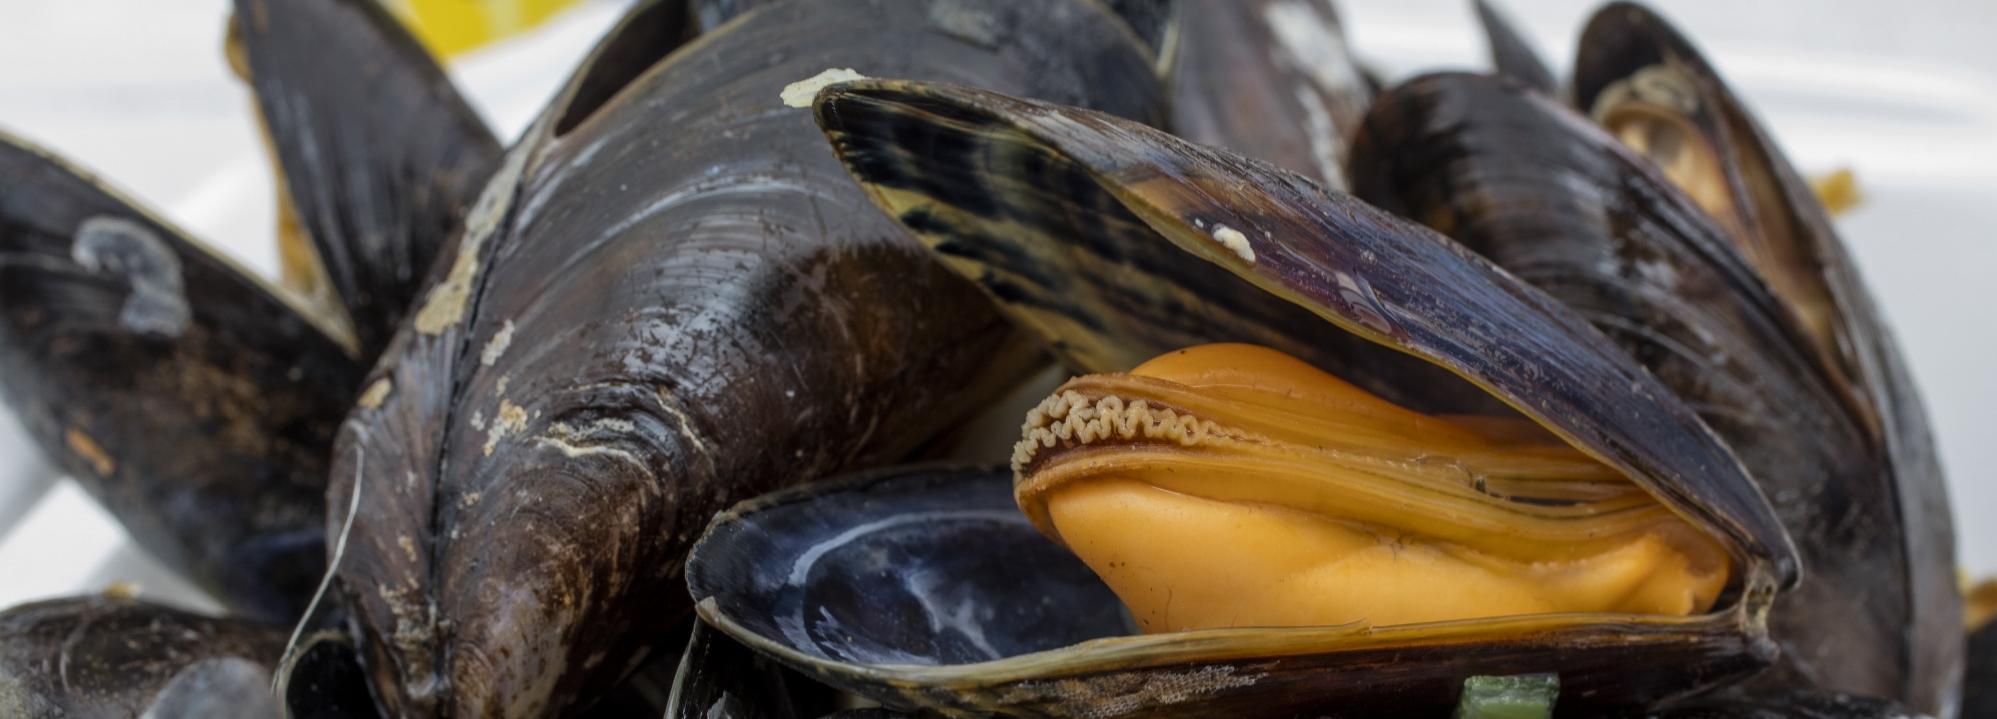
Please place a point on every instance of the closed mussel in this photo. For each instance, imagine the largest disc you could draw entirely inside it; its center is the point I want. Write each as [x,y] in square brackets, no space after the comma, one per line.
[379,157]
[1512,54]
[670,297]
[194,401]
[1233,478]
[1270,79]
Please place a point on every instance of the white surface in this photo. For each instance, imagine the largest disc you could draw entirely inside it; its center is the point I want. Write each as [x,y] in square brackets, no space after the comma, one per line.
[1901,92]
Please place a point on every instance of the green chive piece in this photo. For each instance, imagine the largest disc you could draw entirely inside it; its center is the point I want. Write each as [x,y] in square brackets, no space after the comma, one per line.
[1523,696]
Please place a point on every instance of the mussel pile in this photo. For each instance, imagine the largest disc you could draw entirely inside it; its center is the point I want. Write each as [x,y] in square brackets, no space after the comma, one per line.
[682,403]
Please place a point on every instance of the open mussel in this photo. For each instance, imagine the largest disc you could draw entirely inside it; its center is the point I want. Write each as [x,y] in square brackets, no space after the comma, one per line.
[1562,205]
[1651,88]
[1606,475]
[1648,86]
[670,297]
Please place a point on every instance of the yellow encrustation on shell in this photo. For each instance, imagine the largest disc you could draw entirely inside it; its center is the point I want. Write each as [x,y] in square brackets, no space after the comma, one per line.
[1233,485]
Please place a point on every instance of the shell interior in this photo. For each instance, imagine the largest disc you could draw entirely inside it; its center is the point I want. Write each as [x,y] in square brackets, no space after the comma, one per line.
[838,590]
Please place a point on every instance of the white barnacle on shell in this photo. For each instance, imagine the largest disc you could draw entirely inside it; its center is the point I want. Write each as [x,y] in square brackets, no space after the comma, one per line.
[1235,242]
[496,348]
[800,93]
[156,304]
[376,393]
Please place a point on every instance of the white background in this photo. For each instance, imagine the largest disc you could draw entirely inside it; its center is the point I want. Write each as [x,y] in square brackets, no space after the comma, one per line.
[1905,93]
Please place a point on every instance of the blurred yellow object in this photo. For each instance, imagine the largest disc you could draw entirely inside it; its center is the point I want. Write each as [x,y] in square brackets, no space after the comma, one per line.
[122,590]
[1838,190]
[1979,604]
[452,27]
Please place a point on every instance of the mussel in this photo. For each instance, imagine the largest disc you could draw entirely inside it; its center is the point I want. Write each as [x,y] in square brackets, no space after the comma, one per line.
[1882,532]
[669,298]
[99,656]
[195,401]
[1244,442]
[1270,79]
[1319,458]
[1647,84]
[1558,202]
[1512,55]
[380,157]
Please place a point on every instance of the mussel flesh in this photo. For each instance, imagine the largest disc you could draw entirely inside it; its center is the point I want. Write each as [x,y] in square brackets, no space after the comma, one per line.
[1232,485]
